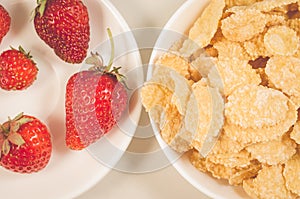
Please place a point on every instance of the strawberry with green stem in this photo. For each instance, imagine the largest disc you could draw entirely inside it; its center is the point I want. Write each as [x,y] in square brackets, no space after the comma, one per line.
[17,69]
[64,26]
[25,144]
[95,101]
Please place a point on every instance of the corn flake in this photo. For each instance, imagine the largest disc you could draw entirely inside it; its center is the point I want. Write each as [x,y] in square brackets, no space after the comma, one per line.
[240,159]
[269,183]
[281,40]
[182,92]
[155,94]
[171,123]
[295,134]
[198,161]
[292,174]
[297,54]
[244,25]
[210,109]
[211,51]
[255,47]
[226,145]
[248,136]
[220,171]
[234,73]
[191,119]
[235,175]
[273,152]
[228,49]
[210,20]
[182,140]
[263,107]
[294,24]
[263,6]
[284,73]
[176,62]
[216,122]
[156,113]
[248,172]
[275,19]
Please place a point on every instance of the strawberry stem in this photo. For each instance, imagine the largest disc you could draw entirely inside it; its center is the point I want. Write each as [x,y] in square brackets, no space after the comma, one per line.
[5,147]
[96,60]
[16,139]
[19,116]
[41,7]
[112,52]
[9,133]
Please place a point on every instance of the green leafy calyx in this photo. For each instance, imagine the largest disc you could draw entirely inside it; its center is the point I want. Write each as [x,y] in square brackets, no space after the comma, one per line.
[9,133]
[41,7]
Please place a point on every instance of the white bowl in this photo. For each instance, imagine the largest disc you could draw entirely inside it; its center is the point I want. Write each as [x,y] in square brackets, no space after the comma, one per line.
[177,26]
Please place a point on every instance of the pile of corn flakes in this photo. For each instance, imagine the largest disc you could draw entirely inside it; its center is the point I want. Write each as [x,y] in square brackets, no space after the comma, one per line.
[229,95]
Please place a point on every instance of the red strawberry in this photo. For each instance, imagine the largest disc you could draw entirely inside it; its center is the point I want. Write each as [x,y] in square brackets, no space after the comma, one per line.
[64,26]
[26,144]
[95,100]
[4,22]
[17,70]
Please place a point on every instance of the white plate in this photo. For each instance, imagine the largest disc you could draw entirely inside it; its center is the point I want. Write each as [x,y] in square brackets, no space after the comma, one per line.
[176,28]
[69,173]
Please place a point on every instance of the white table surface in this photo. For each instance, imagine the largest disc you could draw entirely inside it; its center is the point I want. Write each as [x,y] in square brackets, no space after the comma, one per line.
[163,183]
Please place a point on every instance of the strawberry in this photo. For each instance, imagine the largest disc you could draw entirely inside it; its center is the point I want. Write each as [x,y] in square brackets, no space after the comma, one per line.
[5,21]
[95,101]
[17,70]
[64,26]
[26,144]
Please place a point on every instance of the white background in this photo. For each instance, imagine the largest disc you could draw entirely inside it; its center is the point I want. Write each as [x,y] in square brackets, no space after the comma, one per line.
[166,182]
